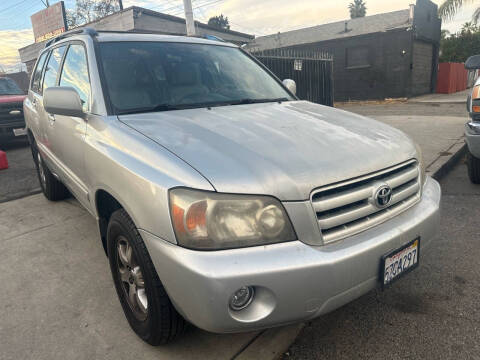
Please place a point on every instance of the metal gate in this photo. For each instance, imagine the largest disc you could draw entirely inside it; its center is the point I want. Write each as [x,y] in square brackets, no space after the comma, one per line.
[312,71]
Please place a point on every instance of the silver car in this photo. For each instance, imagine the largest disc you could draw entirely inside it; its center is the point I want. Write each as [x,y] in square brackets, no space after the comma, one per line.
[222,200]
[472,128]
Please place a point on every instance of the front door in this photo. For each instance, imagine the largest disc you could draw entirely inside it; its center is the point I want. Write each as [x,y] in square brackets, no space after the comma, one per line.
[65,134]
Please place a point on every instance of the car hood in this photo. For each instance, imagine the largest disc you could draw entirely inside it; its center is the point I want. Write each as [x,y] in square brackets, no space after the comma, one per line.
[285,150]
[11,98]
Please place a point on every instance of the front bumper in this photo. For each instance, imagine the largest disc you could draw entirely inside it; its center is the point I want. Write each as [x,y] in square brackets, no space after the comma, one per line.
[293,281]
[472,137]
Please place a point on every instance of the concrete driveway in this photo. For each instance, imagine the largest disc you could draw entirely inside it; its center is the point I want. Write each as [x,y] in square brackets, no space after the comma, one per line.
[57,299]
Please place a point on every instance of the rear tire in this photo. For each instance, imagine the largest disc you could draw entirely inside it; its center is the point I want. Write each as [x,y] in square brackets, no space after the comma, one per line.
[144,300]
[51,187]
[473,165]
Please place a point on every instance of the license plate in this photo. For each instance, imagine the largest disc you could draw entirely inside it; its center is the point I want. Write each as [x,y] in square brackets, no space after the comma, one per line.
[400,261]
[19,132]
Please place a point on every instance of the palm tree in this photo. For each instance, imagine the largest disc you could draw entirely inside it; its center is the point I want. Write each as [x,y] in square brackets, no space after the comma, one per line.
[469,27]
[449,9]
[358,9]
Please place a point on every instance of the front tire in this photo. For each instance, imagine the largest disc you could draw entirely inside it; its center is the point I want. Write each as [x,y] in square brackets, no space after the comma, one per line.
[144,300]
[51,187]
[473,165]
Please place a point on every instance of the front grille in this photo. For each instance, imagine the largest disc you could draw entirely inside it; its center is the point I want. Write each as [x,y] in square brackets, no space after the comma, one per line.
[349,207]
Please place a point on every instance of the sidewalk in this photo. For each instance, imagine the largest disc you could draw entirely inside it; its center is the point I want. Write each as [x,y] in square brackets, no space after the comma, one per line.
[455,98]
[439,137]
[58,300]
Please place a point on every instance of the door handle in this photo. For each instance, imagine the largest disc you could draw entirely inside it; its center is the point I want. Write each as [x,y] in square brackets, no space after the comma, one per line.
[51,117]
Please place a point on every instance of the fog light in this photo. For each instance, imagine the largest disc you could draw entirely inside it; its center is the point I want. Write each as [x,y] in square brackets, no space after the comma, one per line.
[242,298]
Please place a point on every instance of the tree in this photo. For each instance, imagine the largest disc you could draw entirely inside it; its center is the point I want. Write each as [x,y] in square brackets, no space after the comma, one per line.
[449,9]
[445,34]
[469,27]
[86,11]
[220,22]
[357,9]
[460,46]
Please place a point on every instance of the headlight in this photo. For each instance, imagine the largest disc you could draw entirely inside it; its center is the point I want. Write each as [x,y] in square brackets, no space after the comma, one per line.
[475,100]
[210,221]
[421,164]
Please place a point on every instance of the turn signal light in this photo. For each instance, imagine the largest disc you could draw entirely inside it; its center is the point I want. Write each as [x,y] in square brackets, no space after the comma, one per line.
[476,92]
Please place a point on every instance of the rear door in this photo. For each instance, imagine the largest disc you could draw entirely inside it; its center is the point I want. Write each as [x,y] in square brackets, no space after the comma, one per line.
[46,141]
[34,99]
[66,134]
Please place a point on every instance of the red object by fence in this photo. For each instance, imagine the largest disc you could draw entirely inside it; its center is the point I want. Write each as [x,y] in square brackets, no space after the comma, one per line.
[3,160]
[452,77]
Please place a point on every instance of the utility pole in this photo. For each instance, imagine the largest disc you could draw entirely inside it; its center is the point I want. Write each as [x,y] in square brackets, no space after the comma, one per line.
[187,5]
[48,4]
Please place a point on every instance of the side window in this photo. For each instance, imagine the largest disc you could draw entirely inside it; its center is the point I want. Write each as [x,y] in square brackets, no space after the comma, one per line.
[37,74]
[53,65]
[75,73]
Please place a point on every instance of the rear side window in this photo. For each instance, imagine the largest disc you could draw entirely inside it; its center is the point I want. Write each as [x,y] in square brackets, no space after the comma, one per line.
[53,64]
[37,74]
[75,73]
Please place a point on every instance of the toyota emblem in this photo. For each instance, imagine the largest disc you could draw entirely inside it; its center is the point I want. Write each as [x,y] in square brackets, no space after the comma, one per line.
[383,196]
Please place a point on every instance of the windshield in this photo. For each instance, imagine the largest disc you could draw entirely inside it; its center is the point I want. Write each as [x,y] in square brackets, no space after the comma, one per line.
[161,76]
[9,87]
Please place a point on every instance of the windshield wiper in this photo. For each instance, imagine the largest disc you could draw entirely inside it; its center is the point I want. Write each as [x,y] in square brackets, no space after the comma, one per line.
[159,107]
[256,101]
[170,107]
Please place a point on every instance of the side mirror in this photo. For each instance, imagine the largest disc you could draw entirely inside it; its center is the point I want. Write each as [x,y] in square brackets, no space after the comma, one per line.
[63,100]
[290,85]
[469,103]
[473,62]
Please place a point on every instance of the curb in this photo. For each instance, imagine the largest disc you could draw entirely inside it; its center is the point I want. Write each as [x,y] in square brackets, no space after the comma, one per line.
[442,167]
[20,195]
[447,102]
[271,344]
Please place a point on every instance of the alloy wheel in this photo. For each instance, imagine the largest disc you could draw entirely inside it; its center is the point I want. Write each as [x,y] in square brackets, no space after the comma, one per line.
[41,170]
[132,279]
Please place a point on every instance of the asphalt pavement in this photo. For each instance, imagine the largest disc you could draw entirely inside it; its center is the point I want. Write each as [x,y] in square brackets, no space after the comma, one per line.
[432,313]
[20,179]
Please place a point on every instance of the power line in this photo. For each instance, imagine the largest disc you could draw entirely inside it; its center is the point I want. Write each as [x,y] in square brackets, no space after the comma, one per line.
[178,9]
[21,19]
[12,6]
[200,6]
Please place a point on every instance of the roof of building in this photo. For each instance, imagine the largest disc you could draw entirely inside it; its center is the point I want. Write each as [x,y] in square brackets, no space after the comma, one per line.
[355,27]
[117,21]
[182,20]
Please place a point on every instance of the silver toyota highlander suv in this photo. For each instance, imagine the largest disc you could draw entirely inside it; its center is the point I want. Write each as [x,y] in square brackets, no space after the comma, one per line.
[221,198]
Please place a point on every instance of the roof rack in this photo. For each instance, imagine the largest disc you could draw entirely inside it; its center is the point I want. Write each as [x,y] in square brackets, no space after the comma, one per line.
[84,31]
[212,37]
[93,33]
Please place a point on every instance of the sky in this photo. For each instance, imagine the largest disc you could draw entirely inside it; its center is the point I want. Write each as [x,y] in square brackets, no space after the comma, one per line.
[251,16]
